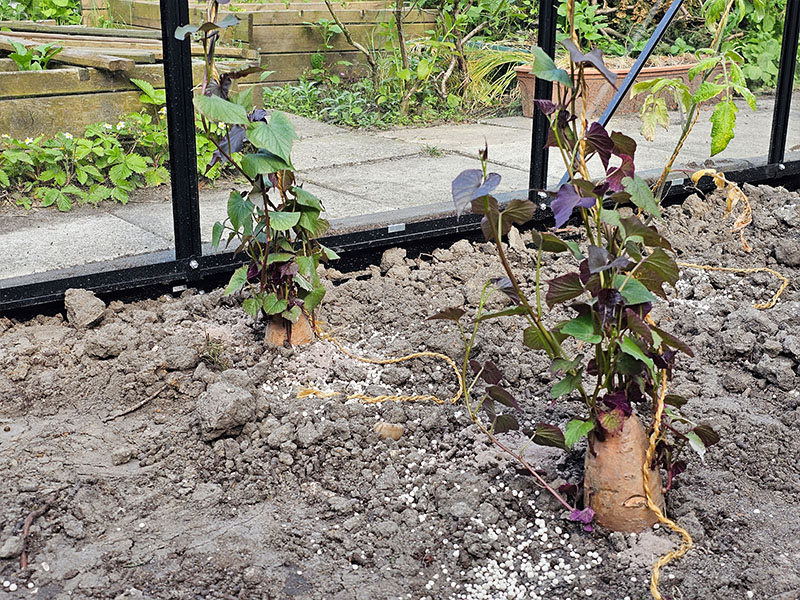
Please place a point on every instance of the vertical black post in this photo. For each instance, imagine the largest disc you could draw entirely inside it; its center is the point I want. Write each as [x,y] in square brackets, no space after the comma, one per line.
[180,127]
[542,90]
[783,93]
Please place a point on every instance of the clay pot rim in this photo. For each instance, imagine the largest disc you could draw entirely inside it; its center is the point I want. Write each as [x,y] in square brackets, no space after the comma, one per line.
[593,73]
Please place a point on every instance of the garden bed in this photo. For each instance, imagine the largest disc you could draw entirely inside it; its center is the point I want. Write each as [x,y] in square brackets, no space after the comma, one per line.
[306,501]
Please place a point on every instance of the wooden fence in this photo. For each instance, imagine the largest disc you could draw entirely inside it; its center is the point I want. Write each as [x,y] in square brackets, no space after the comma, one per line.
[284,34]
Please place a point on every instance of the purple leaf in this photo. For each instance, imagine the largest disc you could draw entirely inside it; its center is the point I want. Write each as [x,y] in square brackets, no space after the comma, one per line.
[601,141]
[594,58]
[237,136]
[470,185]
[638,326]
[618,400]
[546,106]
[500,395]
[623,144]
[585,516]
[563,288]
[504,285]
[253,271]
[615,175]
[505,423]
[448,314]
[609,302]
[491,374]
[707,434]
[665,360]
[549,435]
[565,202]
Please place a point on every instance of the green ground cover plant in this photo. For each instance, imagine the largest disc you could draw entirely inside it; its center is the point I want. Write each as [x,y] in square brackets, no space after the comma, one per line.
[64,12]
[108,162]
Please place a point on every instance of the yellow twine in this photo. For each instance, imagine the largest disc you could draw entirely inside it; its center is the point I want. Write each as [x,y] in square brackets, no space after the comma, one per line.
[385,361]
[764,306]
[686,544]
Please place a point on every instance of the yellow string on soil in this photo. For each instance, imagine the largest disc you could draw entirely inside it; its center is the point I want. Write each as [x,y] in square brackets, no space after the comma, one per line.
[764,306]
[686,544]
[385,361]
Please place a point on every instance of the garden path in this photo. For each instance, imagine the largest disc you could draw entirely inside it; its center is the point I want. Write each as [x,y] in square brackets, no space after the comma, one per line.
[363,178]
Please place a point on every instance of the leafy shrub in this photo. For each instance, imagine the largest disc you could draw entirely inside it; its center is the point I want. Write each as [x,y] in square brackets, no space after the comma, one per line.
[64,12]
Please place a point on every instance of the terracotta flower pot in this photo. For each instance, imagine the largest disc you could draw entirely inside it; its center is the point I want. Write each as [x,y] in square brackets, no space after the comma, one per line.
[280,332]
[613,481]
[600,92]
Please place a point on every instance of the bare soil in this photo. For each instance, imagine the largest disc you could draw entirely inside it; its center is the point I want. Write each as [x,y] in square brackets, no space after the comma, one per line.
[223,484]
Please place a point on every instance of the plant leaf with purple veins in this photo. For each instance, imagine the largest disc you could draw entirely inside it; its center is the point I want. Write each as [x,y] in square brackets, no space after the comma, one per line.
[505,423]
[470,185]
[549,435]
[500,395]
[638,326]
[612,421]
[548,107]
[601,142]
[563,288]
[618,400]
[673,342]
[594,58]
[649,235]
[662,264]
[448,314]
[566,200]
[491,374]
[519,211]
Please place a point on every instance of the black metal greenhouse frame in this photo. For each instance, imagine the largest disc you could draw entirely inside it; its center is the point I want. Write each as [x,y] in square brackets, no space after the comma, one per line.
[189,266]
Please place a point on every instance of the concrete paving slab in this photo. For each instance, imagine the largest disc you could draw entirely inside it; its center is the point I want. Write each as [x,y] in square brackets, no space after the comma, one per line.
[155,217]
[414,181]
[347,149]
[311,128]
[45,240]
[519,122]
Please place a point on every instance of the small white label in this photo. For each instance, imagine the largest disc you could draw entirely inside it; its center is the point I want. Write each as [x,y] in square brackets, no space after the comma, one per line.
[396,227]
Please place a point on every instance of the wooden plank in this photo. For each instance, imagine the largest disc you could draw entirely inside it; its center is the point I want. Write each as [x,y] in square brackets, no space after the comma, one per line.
[21,118]
[80,30]
[58,36]
[303,38]
[347,16]
[148,14]
[80,58]
[79,80]
[128,47]
[289,67]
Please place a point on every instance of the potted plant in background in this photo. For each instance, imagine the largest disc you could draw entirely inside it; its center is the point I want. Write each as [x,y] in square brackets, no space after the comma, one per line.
[593,28]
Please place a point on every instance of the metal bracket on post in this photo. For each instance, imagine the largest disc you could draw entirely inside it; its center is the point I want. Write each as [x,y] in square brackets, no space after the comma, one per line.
[542,90]
[181,129]
[783,92]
